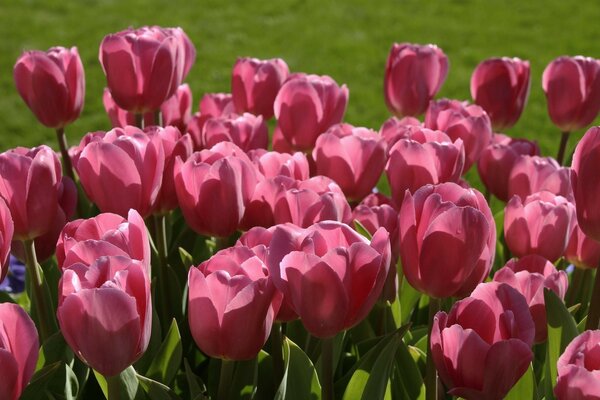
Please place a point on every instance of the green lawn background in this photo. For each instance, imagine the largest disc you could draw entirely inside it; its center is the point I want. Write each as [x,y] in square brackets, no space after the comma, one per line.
[348,40]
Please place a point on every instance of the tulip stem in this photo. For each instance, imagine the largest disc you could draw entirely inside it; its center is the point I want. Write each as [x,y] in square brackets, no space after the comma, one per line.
[563,146]
[34,277]
[575,287]
[139,120]
[113,384]
[225,379]
[158,119]
[593,316]
[327,369]
[64,152]
[277,352]
[160,239]
[431,379]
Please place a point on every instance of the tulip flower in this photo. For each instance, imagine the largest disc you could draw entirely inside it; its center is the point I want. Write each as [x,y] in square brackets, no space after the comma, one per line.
[85,240]
[413,75]
[145,66]
[459,120]
[578,369]
[483,346]
[105,312]
[531,174]
[331,275]
[272,163]
[255,83]
[306,106]
[353,157]
[530,275]
[212,105]
[582,251]
[125,161]
[497,160]
[230,291]
[586,183]
[247,131]
[540,224]
[501,87]
[19,349]
[394,129]
[447,239]
[6,234]
[424,157]
[280,143]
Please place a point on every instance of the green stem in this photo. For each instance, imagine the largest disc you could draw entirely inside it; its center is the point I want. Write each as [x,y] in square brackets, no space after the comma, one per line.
[225,379]
[113,384]
[221,243]
[431,379]
[139,120]
[37,293]
[160,239]
[277,352]
[563,146]
[327,369]
[594,311]
[575,287]
[158,119]
[488,196]
[64,152]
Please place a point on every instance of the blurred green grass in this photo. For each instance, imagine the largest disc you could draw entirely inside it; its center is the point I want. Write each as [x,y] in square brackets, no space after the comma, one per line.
[348,40]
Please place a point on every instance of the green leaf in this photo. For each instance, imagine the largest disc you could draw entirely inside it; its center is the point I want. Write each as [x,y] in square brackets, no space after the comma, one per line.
[195,384]
[360,228]
[55,381]
[40,380]
[128,382]
[245,377]
[525,388]
[54,349]
[266,385]
[300,380]
[156,390]
[408,375]
[409,297]
[186,258]
[168,358]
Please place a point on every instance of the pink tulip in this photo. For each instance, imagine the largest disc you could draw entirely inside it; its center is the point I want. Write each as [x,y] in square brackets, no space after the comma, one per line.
[212,105]
[105,312]
[19,350]
[530,275]
[572,88]
[497,160]
[579,369]
[75,151]
[501,86]
[232,304]
[353,157]
[280,143]
[424,157]
[447,239]
[531,174]
[30,183]
[255,83]
[331,275]
[125,161]
[177,110]
[540,224]
[85,240]
[582,251]
[213,189]
[413,75]
[118,117]
[377,199]
[459,120]
[586,182]
[247,131]
[260,209]
[306,106]
[145,66]
[7,229]
[483,346]
[395,129]
[52,84]
[273,163]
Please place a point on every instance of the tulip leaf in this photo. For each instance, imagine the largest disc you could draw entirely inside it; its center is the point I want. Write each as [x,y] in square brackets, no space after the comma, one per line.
[245,376]
[195,384]
[407,373]
[128,382]
[186,258]
[300,380]
[525,388]
[55,380]
[265,385]
[156,390]
[360,228]
[54,349]
[409,297]
[155,342]
[168,358]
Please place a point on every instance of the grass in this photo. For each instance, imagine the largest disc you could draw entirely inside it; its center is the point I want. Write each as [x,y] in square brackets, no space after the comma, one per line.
[348,40]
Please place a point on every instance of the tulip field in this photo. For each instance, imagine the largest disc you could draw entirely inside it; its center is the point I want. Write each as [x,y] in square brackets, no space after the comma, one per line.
[255,228]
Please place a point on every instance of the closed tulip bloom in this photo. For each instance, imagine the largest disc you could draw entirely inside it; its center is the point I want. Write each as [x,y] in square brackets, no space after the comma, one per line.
[572,88]
[145,66]
[213,190]
[332,275]
[413,75]
[394,129]
[272,163]
[541,224]
[211,105]
[530,275]
[280,143]
[125,161]
[247,131]
[501,86]
[19,349]
[483,346]
[260,209]
[531,174]
[30,183]
[105,312]
[353,157]
[582,251]
[497,160]
[177,110]
[424,157]
[306,106]
[255,83]
[232,304]
[447,239]
[52,84]
[85,240]
[119,118]
[586,182]
[578,369]
[459,120]
[6,234]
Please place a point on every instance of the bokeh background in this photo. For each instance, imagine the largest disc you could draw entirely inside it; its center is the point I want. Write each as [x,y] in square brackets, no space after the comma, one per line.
[348,40]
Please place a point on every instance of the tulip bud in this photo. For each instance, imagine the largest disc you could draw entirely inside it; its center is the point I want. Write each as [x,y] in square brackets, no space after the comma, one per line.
[586,183]
[212,105]
[578,369]
[273,163]
[413,75]
[532,174]
[177,110]
[247,131]
[52,84]
[395,129]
